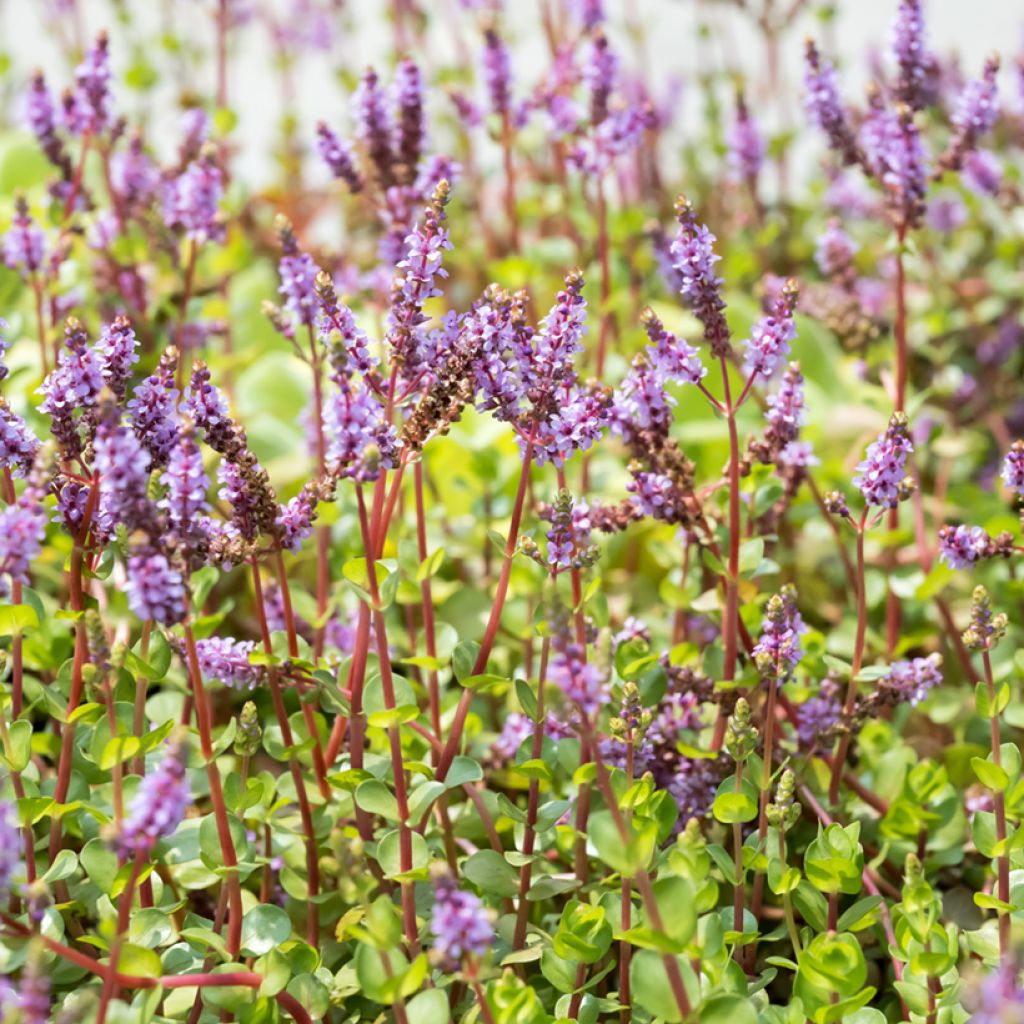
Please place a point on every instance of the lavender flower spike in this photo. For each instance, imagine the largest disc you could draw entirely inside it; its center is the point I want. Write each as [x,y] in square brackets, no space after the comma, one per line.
[694,257]
[159,805]
[778,650]
[337,154]
[462,926]
[769,340]
[12,848]
[411,130]
[825,106]
[497,73]
[746,146]
[155,590]
[117,349]
[961,547]
[1013,468]
[908,45]
[227,661]
[881,479]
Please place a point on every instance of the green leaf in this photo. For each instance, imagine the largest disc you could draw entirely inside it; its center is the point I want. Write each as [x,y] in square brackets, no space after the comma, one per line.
[651,987]
[19,753]
[464,659]
[751,553]
[16,619]
[626,858]
[489,870]
[100,863]
[991,775]
[63,867]
[374,797]
[430,1007]
[389,854]
[527,699]
[139,961]
[727,1009]
[732,807]
[463,770]
[264,928]
[118,750]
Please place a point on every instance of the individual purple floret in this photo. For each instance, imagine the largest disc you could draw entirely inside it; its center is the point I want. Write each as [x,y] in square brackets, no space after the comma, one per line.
[746,145]
[192,200]
[962,546]
[155,590]
[497,73]
[462,926]
[117,350]
[88,110]
[159,805]
[769,340]
[883,469]
[24,244]
[338,156]
[227,661]
[694,258]
[152,408]
[1013,468]
[12,847]
[910,51]
[911,680]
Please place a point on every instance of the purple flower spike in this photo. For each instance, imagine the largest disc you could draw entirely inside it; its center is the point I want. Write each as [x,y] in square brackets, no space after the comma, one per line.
[298,276]
[769,340]
[361,441]
[124,466]
[962,546]
[746,146]
[411,128]
[159,805]
[155,590]
[600,72]
[192,200]
[374,126]
[1013,468]
[89,109]
[295,519]
[18,445]
[582,682]
[133,175]
[74,384]
[778,650]
[910,51]
[694,258]
[152,409]
[12,847]
[117,349]
[497,73]
[911,680]
[24,244]
[186,484]
[835,250]
[881,477]
[227,661]
[785,413]
[461,924]
[338,156]
[977,107]
[825,106]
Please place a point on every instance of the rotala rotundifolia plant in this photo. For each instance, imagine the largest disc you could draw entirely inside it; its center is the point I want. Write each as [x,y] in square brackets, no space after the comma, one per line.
[518,539]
